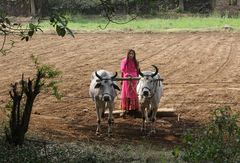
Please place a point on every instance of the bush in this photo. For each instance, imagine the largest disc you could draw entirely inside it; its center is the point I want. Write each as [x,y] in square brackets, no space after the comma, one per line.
[23,95]
[218,141]
[42,151]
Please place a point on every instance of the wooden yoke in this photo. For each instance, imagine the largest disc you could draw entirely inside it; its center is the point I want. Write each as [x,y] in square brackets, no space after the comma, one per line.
[134,78]
[128,78]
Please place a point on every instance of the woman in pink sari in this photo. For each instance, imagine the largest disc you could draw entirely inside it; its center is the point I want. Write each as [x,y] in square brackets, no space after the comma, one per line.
[129,98]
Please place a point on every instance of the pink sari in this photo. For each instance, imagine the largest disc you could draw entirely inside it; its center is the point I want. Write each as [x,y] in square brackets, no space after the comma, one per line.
[129,98]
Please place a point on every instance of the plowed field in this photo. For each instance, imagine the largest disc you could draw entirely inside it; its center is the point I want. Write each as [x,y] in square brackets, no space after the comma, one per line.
[201,72]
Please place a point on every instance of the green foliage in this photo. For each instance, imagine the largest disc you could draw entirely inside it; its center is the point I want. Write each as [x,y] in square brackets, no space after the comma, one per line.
[25,32]
[94,7]
[19,154]
[60,22]
[8,27]
[140,7]
[49,77]
[166,22]
[23,95]
[218,142]
[37,151]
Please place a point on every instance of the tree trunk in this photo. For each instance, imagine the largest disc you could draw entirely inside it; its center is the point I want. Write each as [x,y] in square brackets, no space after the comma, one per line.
[33,7]
[42,7]
[238,3]
[19,122]
[181,5]
[146,6]
[127,6]
[213,4]
[137,8]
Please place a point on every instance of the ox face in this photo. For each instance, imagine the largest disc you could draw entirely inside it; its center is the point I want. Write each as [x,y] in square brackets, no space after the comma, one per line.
[148,83]
[147,86]
[106,88]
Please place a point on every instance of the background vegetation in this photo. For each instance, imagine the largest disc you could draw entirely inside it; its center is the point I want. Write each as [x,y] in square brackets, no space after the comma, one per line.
[141,7]
[183,23]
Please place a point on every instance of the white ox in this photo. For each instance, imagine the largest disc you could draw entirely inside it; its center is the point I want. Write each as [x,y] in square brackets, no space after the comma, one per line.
[102,90]
[150,90]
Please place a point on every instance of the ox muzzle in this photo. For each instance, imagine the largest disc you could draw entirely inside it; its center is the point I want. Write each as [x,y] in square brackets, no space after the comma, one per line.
[146,92]
[107,97]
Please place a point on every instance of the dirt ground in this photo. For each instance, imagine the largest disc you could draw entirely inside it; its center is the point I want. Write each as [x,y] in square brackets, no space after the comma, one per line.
[201,72]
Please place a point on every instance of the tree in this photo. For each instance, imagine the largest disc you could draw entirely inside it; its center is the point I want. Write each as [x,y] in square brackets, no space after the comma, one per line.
[23,95]
[39,7]
[33,7]
[213,4]
[146,6]
[181,5]
[43,8]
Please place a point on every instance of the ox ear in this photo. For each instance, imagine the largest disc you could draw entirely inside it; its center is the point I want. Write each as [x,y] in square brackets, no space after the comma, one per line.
[116,87]
[98,85]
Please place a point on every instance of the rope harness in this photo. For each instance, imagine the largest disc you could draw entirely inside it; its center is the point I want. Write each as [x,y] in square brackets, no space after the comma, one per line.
[131,88]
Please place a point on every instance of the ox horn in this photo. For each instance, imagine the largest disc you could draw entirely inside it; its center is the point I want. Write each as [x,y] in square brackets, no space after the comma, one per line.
[113,77]
[156,71]
[140,73]
[98,75]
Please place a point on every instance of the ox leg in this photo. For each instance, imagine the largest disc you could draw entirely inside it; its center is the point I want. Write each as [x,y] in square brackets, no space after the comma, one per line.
[98,110]
[147,121]
[143,128]
[110,119]
[153,121]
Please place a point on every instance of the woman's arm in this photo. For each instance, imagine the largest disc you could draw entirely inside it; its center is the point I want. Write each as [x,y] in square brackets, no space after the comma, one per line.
[124,65]
[137,68]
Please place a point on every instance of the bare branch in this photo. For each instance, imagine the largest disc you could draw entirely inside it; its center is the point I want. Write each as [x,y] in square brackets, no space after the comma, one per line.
[11,95]
[3,44]
[110,14]
[104,26]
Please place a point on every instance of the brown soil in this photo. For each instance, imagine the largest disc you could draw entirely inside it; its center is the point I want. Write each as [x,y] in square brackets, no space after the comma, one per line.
[201,72]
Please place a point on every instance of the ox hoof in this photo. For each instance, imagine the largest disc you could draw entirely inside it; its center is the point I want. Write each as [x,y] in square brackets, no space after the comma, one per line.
[153,132]
[110,134]
[97,133]
[147,122]
[143,130]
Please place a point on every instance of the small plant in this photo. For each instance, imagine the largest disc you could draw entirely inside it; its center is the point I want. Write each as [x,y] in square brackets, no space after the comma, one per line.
[23,95]
[218,141]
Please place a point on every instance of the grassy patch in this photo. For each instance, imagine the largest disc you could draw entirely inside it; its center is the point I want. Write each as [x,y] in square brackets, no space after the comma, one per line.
[152,24]
[82,152]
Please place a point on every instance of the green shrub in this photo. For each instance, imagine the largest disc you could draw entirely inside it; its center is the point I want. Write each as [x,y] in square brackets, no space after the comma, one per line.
[53,152]
[218,141]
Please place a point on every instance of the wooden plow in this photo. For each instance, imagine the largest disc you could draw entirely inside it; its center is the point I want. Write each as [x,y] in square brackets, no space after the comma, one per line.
[161,112]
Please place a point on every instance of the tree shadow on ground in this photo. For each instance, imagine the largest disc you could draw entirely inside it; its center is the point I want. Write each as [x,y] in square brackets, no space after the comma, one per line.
[169,131]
